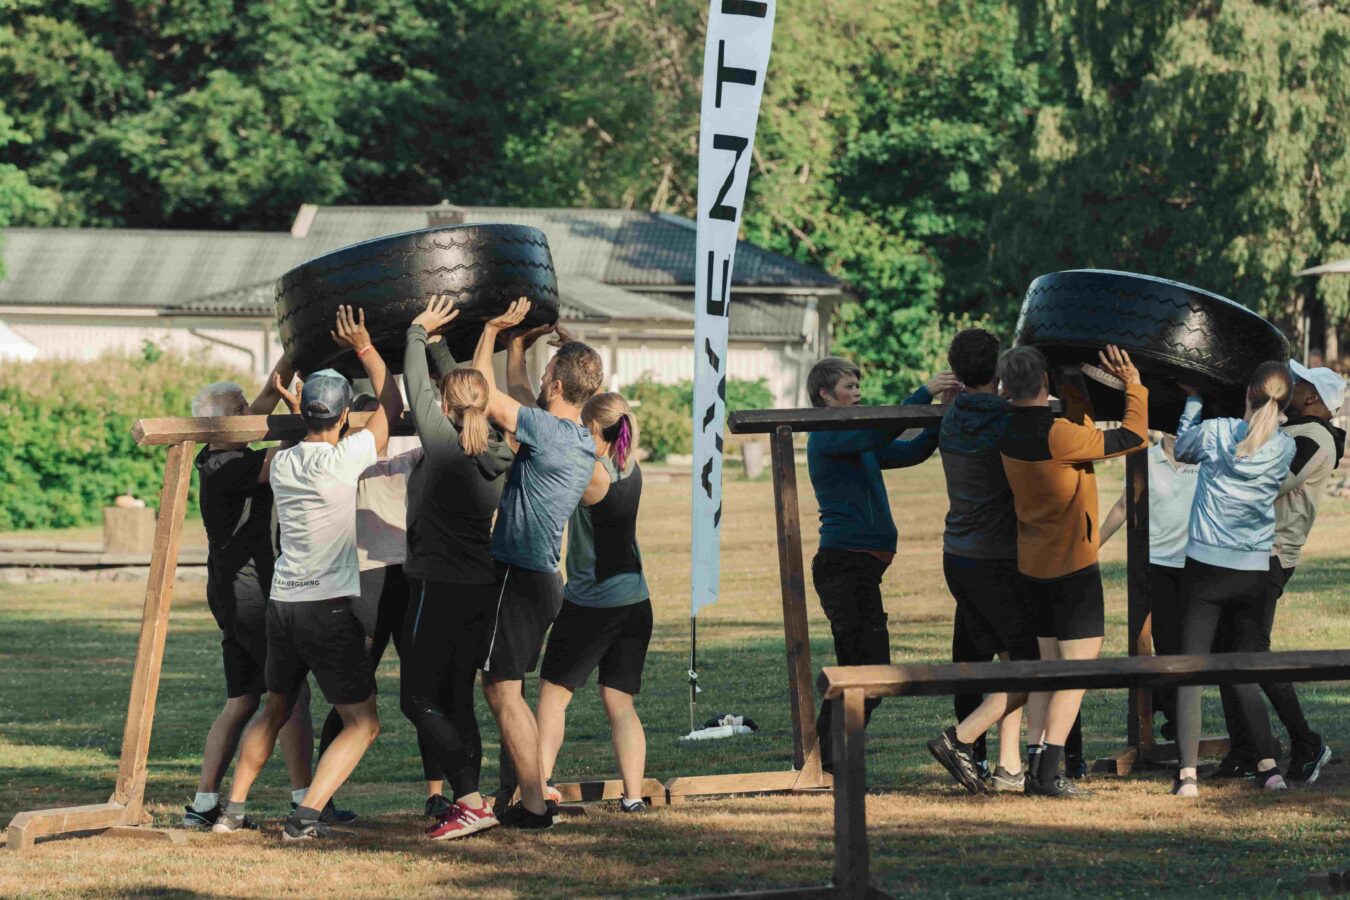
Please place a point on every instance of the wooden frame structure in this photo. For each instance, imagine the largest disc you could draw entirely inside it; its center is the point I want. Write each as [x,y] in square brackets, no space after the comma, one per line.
[849,686]
[1141,748]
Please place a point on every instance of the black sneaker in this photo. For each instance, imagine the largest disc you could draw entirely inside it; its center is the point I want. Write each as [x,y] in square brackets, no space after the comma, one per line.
[517,816]
[437,806]
[1075,767]
[331,815]
[1060,788]
[201,820]
[1305,764]
[297,830]
[1005,782]
[1230,767]
[957,759]
[638,808]
[228,824]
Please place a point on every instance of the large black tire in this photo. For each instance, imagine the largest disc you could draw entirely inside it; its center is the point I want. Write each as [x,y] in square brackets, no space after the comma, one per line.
[1173,332]
[485,267]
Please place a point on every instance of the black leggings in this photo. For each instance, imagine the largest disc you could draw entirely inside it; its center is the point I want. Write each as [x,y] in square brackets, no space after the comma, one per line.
[380,608]
[443,644]
[1282,695]
[1233,601]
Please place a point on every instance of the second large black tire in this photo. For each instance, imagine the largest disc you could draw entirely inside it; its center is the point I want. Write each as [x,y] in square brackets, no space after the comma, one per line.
[392,278]
[1173,332]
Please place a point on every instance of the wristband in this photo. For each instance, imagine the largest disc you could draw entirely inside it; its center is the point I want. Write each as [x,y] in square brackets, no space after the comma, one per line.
[364,349]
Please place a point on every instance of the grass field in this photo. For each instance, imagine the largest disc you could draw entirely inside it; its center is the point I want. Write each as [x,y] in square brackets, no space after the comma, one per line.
[65,663]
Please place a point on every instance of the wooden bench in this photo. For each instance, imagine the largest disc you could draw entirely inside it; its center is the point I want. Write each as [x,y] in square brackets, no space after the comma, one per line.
[848,686]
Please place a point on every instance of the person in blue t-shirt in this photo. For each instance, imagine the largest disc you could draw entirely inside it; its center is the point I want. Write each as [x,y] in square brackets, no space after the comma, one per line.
[857,533]
[555,460]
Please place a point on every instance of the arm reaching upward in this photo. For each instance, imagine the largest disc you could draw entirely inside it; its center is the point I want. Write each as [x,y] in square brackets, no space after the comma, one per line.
[502,408]
[267,398]
[517,369]
[351,332]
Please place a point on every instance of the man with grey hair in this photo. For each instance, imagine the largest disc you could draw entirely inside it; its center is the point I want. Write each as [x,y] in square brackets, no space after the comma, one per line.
[236,505]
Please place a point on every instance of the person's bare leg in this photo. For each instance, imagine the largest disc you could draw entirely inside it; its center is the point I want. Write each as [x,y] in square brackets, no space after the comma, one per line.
[435,788]
[630,741]
[223,739]
[1064,705]
[297,742]
[1038,705]
[260,738]
[360,727]
[552,715]
[994,708]
[1010,742]
[520,734]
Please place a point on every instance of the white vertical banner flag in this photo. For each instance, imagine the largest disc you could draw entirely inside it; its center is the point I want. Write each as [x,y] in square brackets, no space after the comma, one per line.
[735,61]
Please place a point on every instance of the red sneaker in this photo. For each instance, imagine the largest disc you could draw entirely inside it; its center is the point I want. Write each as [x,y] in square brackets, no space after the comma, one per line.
[462,821]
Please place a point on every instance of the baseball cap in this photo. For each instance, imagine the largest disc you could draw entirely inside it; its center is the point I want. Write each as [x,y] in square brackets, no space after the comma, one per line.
[326,395]
[1329,386]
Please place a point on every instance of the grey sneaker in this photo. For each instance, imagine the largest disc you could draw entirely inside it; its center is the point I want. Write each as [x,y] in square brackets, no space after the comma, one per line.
[1004,781]
[297,830]
[638,807]
[228,824]
[958,759]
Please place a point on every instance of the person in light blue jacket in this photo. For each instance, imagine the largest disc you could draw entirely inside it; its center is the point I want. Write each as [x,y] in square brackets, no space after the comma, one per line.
[1242,463]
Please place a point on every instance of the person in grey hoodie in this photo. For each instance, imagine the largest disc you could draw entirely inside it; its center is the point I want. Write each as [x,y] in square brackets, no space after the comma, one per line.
[1243,463]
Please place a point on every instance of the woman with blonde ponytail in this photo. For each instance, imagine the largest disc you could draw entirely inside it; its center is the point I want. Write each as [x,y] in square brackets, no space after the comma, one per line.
[606,618]
[1242,462]
[452,495]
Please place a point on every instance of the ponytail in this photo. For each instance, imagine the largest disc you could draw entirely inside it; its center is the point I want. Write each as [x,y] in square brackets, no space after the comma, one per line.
[464,396]
[1268,393]
[611,419]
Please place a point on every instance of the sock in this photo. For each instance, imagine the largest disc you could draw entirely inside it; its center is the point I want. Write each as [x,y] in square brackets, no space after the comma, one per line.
[630,804]
[205,802]
[1034,759]
[306,814]
[1052,759]
[298,797]
[235,810]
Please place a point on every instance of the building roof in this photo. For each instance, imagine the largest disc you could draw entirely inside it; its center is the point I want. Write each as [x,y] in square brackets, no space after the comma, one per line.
[613,265]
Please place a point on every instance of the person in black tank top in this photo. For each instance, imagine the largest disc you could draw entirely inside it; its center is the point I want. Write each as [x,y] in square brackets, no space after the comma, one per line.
[606,618]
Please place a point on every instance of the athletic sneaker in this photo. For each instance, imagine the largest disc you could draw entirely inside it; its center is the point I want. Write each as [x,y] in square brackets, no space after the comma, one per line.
[297,830]
[1003,781]
[437,807]
[462,821]
[958,759]
[228,824]
[1305,767]
[331,815]
[1272,781]
[982,769]
[637,807]
[204,820]
[1060,788]
[1075,767]
[1230,767]
[1187,788]
[517,816]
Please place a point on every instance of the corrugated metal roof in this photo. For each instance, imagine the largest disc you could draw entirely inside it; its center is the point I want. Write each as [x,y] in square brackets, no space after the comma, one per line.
[765,317]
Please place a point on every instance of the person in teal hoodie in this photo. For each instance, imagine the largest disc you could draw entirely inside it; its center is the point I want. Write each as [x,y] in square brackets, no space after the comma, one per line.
[857,533]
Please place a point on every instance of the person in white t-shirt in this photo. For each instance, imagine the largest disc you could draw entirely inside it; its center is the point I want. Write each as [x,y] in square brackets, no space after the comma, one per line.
[311,626]
[1171,493]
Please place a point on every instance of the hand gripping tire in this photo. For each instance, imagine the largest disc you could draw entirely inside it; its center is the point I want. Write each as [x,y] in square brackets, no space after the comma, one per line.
[1173,332]
[485,267]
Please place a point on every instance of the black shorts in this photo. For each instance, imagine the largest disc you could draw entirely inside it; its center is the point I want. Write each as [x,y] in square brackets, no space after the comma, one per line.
[992,605]
[527,603]
[323,637]
[1071,608]
[242,618]
[614,638]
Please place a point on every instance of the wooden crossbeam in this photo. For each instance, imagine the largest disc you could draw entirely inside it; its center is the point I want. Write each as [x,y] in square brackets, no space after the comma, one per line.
[839,418]
[1093,674]
[239,429]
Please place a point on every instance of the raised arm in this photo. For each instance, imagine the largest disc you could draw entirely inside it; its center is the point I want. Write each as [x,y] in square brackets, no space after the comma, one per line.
[1085,443]
[502,408]
[518,383]
[351,332]
[291,397]
[423,398]
[1190,446]
[267,398]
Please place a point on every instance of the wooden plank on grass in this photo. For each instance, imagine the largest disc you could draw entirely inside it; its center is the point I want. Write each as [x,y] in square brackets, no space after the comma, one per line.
[1096,674]
[653,791]
[28,826]
[746,783]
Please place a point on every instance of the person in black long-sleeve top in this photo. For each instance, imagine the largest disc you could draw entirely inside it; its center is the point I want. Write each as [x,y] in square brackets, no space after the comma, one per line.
[452,495]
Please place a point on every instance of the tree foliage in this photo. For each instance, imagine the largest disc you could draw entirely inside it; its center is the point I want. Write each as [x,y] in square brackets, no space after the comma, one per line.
[935,154]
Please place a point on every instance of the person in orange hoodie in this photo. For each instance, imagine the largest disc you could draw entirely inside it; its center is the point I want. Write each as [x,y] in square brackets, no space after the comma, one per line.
[1049,463]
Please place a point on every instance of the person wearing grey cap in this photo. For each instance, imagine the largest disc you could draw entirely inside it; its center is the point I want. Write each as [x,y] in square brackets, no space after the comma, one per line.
[1317,398]
[311,626]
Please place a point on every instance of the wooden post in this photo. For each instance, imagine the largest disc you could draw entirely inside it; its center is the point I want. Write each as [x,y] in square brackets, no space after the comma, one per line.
[126,806]
[851,859]
[1139,724]
[792,579]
